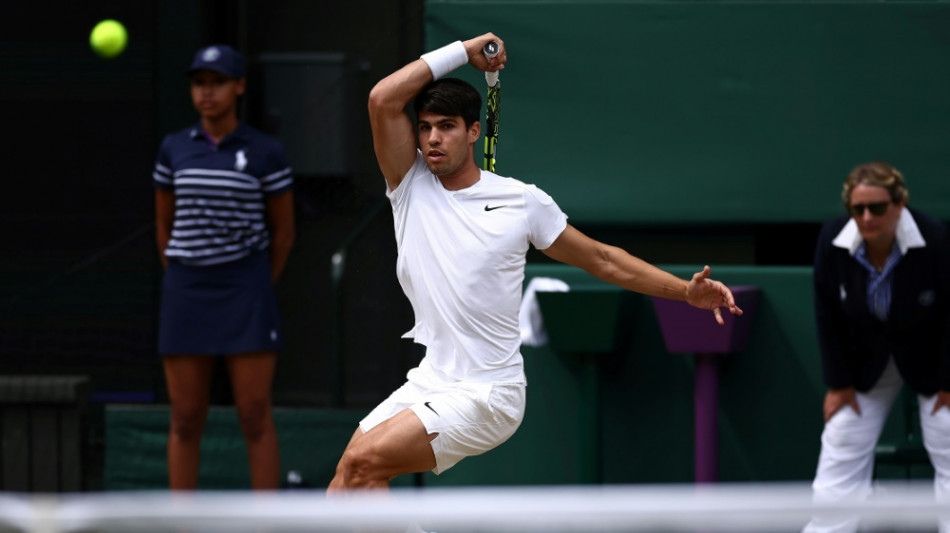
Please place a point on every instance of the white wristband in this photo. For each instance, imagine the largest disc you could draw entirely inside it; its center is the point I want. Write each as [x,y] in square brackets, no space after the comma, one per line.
[446,59]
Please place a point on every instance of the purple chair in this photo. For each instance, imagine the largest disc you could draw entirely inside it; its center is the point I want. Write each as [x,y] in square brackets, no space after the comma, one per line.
[687,329]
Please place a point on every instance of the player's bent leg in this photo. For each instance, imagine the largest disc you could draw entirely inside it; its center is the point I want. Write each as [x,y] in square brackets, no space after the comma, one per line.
[336,484]
[397,446]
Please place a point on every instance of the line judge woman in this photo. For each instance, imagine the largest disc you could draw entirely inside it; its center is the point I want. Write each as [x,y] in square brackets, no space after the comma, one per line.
[882,301]
[224,226]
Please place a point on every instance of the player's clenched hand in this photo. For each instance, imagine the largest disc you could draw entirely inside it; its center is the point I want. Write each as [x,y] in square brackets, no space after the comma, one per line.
[476,58]
[706,293]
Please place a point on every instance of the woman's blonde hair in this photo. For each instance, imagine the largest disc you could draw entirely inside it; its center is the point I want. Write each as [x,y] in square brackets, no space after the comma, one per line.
[879,174]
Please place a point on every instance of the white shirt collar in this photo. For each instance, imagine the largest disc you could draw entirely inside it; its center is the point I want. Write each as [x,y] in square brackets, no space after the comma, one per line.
[908,235]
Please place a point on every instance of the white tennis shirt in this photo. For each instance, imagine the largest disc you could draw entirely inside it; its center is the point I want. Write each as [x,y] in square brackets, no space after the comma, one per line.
[461,264]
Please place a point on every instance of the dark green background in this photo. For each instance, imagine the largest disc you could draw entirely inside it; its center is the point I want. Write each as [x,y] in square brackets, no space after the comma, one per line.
[690,112]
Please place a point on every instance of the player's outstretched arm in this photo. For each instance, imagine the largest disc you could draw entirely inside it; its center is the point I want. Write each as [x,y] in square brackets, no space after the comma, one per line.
[615,265]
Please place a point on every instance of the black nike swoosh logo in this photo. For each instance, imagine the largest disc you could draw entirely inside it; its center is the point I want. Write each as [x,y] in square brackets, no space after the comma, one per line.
[493,208]
[431,409]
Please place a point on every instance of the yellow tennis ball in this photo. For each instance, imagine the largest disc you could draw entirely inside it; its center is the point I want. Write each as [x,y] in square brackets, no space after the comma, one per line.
[108,38]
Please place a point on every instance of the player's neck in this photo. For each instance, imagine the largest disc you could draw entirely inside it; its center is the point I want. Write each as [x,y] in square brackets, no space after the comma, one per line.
[464,178]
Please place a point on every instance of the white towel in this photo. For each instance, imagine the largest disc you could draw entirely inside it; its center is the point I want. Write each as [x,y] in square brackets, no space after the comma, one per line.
[532,324]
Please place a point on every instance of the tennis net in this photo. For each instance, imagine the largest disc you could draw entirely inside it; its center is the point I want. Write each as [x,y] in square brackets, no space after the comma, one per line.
[905,507]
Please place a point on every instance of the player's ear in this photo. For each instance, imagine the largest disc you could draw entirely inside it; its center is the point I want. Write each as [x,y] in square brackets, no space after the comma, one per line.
[475,131]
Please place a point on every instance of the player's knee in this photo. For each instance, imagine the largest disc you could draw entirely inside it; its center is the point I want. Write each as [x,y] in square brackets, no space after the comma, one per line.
[359,468]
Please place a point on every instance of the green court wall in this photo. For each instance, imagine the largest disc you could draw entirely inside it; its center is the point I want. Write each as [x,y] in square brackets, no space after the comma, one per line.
[673,112]
[613,406]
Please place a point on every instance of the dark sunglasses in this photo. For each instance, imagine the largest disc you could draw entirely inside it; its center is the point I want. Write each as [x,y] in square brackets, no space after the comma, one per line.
[876,209]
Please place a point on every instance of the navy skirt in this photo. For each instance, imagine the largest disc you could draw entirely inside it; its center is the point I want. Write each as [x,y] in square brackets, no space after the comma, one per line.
[221,309]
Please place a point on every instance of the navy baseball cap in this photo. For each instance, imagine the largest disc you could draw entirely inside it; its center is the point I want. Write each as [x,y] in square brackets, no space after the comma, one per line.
[219,58]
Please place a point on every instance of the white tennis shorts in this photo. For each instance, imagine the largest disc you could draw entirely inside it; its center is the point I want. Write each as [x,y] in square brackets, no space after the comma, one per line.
[470,418]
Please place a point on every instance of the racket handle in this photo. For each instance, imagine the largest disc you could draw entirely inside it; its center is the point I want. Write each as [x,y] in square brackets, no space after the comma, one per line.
[491,50]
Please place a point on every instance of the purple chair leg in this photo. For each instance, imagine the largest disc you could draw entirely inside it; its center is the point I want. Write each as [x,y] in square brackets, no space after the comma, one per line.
[706,406]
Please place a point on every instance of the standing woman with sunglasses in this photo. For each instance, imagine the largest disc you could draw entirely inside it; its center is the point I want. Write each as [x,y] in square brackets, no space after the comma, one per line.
[882,302]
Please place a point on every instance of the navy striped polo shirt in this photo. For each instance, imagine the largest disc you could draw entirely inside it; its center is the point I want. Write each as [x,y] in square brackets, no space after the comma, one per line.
[220,192]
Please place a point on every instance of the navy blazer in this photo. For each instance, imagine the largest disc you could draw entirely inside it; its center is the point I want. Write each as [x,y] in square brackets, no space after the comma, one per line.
[855,344]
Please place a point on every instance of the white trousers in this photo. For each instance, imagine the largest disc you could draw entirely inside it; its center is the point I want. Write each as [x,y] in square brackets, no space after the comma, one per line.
[846,462]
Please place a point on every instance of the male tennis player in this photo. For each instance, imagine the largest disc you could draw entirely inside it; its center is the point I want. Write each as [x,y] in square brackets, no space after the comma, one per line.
[462,234]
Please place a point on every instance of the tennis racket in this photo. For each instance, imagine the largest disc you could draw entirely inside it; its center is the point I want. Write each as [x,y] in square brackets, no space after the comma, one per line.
[493,109]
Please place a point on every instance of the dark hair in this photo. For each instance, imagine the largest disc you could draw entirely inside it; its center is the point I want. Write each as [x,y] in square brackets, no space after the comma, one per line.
[451,97]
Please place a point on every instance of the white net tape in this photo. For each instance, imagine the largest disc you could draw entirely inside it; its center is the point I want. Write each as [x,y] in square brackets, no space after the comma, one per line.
[609,508]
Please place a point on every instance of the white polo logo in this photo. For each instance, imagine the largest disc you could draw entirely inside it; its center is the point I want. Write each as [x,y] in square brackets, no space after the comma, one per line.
[240,161]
